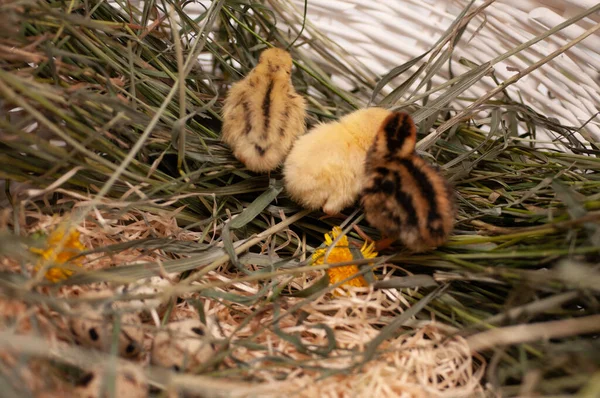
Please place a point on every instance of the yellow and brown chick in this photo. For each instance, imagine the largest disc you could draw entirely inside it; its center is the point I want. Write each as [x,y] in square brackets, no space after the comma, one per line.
[263,114]
[326,167]
[405,197]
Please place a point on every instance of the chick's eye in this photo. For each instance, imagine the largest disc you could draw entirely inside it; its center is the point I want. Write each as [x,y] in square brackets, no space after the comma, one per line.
[131,347]
[198,331]
[86,380]
[93,334]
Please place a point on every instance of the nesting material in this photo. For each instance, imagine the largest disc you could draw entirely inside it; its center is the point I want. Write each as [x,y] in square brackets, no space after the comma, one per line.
[417,364]
[108,116]
[425,364]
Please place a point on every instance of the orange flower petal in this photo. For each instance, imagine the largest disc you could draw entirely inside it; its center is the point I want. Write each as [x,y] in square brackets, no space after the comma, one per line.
[341,253]
[50,254]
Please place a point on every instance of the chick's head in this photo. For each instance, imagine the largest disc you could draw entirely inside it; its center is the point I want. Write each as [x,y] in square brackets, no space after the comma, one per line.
[276,61]
[397,136]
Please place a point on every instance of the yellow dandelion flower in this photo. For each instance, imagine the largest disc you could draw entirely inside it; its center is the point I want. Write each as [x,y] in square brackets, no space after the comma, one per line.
[342,253]
[56,253]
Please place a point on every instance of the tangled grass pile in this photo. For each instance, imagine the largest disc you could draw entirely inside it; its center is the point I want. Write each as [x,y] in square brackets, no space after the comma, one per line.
[114,175]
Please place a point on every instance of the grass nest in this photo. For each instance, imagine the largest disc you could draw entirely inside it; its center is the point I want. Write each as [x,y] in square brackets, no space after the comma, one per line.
[113,173]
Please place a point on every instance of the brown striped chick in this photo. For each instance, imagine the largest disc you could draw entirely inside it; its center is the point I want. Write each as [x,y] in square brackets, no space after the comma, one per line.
[263,114]
[325,168]
[405,197]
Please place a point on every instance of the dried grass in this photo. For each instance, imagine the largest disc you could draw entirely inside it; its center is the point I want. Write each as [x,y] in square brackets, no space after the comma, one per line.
[111,125]
[426,363]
